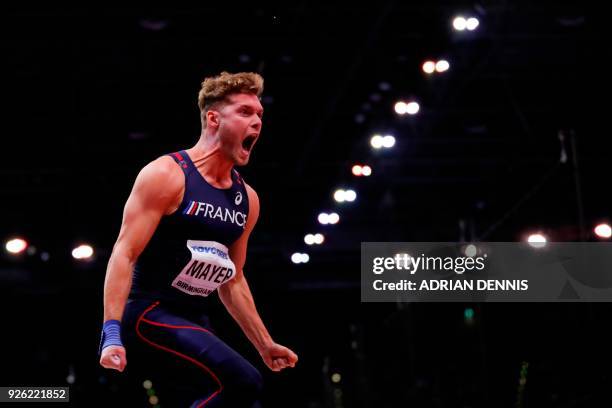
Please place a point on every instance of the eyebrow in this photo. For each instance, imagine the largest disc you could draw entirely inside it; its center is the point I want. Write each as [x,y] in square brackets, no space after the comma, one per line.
[251,108]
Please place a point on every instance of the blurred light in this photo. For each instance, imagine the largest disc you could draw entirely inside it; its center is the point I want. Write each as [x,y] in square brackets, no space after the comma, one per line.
[400,108]
[429,67]
[366,170]
[603,231]
[336,378]
[350,195]
[412,108]
[339,196]
[147,384]
[318,239]
[468,313]
[537,240]
[471,250]
[472,23]
[442,66]
[16,245]
[299,257]
[82,252]
[323,218]
[384,86]
[44,256]
[388,141]
[459,23]
[333,218]
[70,379]
[153,399]
[405,257]
[309,239]
[376,141]
[356,170]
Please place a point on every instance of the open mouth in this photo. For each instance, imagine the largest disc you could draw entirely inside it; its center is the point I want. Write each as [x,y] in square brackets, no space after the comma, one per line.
[247,143]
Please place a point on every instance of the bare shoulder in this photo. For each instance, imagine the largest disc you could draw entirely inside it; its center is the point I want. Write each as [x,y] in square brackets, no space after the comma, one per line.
[162,172]
[161,181]
[253,197]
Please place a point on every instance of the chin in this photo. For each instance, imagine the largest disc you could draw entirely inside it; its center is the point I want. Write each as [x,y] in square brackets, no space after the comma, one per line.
[241,162]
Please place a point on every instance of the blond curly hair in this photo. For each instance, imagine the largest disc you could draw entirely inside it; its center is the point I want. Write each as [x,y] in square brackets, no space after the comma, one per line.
[215,89]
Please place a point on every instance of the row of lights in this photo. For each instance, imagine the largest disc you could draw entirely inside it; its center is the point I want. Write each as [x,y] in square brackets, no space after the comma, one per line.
[539,240]
[461,23]
[429,67]
[535,240]
[379,142]
[16,246]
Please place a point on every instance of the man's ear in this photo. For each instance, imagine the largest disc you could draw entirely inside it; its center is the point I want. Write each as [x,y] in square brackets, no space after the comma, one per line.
[212,118]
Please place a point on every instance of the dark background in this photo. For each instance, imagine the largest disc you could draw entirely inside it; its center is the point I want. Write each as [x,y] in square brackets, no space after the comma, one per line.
[92,94]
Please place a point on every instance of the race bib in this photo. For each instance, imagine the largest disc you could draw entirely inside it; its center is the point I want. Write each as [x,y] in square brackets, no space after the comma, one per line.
[209,268]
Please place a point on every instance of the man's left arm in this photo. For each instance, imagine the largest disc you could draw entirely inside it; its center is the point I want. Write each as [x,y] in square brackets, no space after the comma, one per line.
[238,300]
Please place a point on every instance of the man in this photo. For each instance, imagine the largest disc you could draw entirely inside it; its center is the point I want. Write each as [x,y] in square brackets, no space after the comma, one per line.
[187,222]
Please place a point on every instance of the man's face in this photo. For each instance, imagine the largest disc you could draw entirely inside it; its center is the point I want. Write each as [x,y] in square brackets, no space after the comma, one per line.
[239,126]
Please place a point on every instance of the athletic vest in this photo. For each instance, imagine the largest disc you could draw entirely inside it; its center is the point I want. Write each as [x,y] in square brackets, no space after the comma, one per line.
[187,257]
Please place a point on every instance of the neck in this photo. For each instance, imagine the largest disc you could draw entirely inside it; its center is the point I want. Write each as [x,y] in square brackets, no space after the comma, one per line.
[210,161]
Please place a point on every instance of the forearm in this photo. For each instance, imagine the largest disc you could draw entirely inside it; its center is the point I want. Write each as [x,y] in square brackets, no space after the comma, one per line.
[117,285]
[238,300]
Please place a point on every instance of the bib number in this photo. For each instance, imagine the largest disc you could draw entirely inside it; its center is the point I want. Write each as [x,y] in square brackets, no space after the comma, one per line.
[210,267]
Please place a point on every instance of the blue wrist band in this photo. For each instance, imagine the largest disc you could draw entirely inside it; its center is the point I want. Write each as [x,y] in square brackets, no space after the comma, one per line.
[111,335]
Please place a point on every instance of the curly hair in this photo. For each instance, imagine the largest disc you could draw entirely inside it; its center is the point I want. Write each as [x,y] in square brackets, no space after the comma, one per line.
[215,89]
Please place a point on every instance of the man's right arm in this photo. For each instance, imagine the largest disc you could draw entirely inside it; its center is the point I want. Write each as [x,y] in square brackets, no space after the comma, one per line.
[157,191]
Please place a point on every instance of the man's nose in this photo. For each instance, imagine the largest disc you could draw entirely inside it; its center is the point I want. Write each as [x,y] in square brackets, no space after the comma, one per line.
[256,125]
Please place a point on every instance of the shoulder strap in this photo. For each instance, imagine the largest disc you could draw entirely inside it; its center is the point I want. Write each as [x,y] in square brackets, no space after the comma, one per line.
[180,159]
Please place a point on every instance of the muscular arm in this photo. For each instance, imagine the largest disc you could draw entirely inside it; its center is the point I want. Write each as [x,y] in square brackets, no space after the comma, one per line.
[156,191]
[238,300]
[235,294]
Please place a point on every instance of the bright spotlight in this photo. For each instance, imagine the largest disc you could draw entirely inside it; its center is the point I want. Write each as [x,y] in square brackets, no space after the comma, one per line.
[442,66]
[333,218]
[603,231]
[388,141]
[309,239]
[318,239]
[459,23]
[299,257]
[16,245]
[339,196]
[537,240]
[350,195]
[366,170]
[472,23]
[412,108]
[400,108]
[471,250]
[376,141]
[429,67]
[82,252]
[323,218]
[357,170]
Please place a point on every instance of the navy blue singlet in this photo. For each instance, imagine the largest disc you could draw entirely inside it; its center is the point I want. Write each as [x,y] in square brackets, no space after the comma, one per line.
[206,214]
